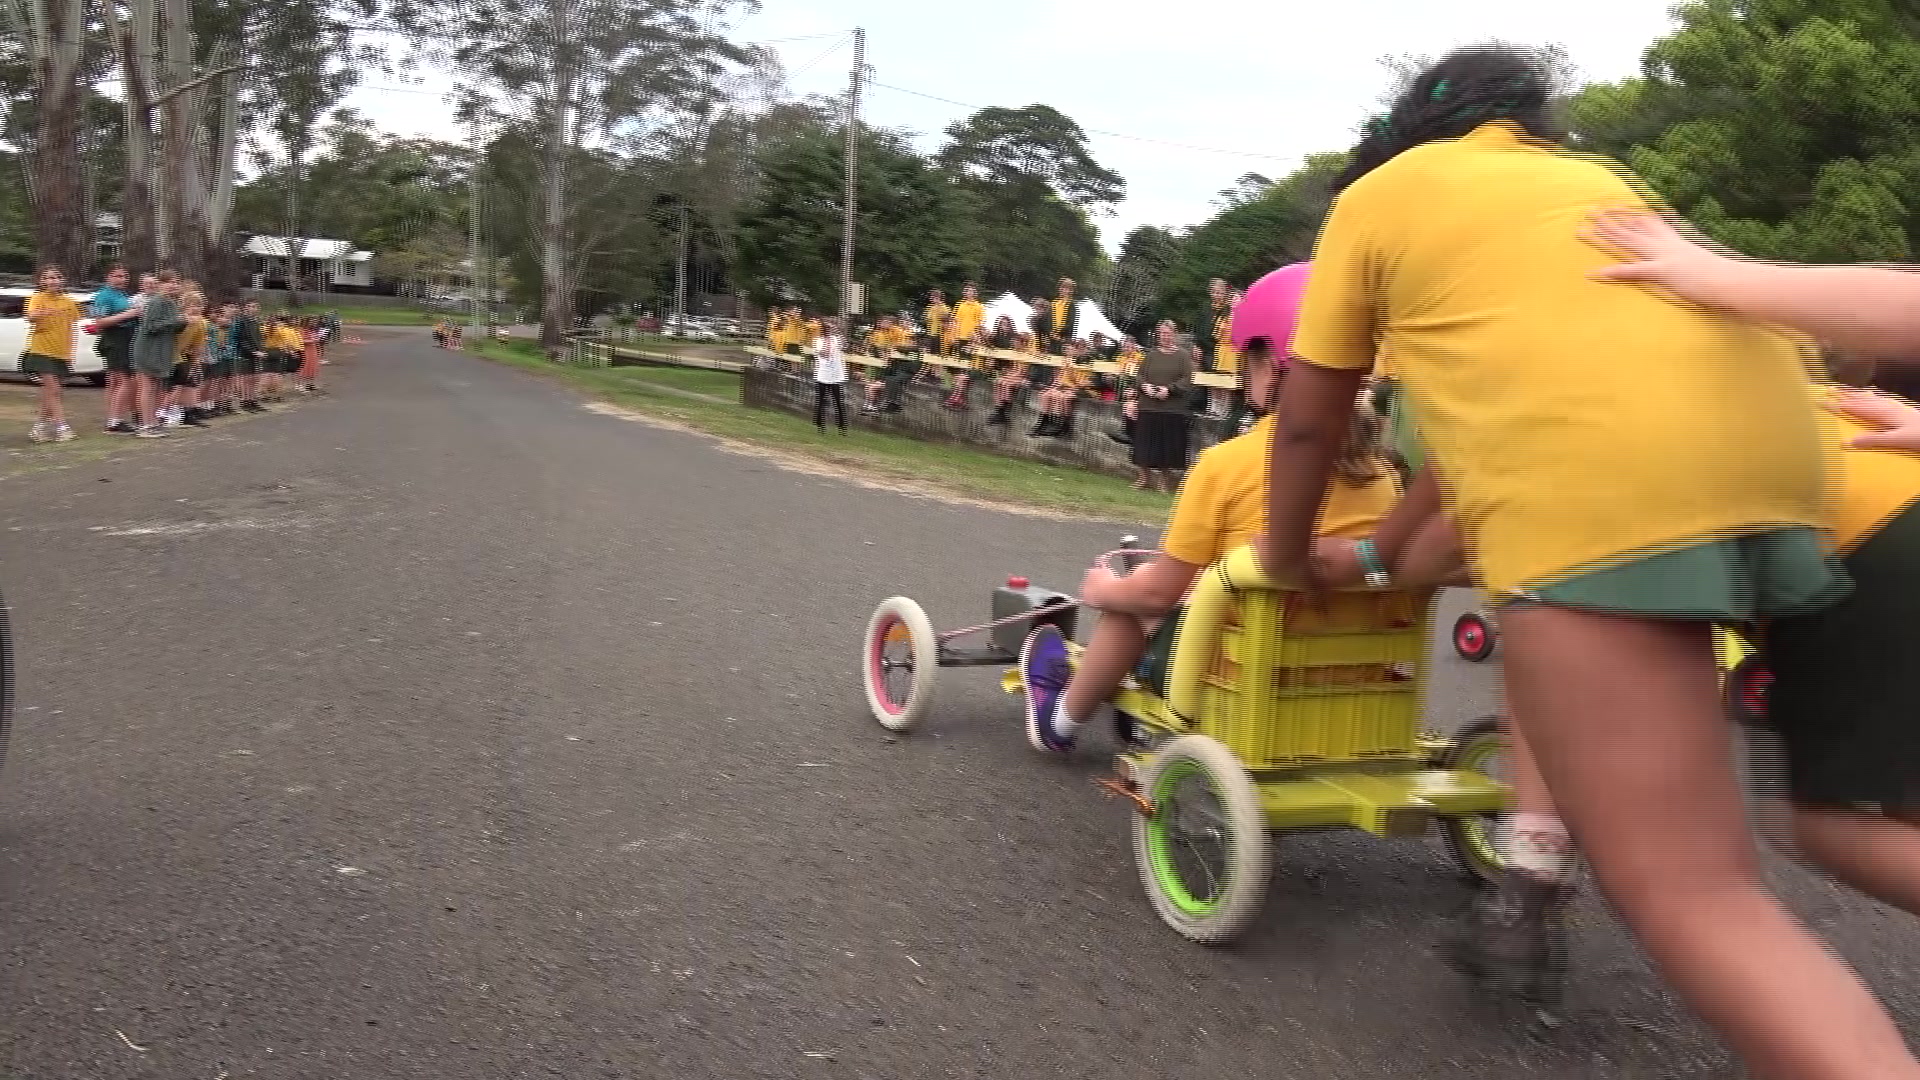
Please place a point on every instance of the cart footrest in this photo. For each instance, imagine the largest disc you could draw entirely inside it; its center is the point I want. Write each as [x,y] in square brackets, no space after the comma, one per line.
[1393,805]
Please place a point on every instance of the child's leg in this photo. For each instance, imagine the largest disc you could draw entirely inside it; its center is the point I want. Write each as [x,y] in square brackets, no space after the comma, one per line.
[1871,852]
[1624,717]
[1119,641]
[50,410]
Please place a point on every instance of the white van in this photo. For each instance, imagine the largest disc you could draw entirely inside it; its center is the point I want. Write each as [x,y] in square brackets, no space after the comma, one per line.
[13,337]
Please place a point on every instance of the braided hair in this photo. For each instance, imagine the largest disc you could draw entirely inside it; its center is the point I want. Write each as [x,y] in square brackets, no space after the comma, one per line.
[1467,88]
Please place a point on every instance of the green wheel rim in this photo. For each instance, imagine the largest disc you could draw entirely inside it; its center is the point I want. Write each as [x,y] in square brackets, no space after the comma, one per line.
[1161,842]
[1481,842]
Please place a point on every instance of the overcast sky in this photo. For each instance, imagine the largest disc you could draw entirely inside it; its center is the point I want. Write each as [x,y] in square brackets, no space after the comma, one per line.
[1247,76]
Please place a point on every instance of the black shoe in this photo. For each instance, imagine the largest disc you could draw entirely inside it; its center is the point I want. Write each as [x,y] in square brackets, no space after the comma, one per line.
[1120,437]
[999,417]
[1063,429]
[251,406]
[192,420]
[1513,940]
[121,427]
[1043,429]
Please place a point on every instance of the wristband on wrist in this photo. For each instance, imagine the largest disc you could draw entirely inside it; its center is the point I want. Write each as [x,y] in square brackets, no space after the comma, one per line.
[1370,565]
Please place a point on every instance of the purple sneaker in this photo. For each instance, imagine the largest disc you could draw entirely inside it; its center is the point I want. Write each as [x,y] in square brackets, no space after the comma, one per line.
[1044,671]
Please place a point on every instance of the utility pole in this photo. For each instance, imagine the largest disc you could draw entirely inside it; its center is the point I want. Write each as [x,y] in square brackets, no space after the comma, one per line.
[853,171]
[680,277]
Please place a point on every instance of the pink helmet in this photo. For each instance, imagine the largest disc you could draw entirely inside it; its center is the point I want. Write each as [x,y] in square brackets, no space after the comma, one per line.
[1271,309]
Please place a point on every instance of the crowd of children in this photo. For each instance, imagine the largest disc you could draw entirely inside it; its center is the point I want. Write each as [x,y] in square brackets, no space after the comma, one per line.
[173,360]
[1045,363]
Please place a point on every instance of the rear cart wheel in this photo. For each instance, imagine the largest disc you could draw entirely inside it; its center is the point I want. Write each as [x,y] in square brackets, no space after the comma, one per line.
[1746,690]
[1474,637]
[898,660]
[1474,841]
[1204,852]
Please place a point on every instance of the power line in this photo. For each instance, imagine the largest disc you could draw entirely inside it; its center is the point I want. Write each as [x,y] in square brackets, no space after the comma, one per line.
[1097,131]
[831,49]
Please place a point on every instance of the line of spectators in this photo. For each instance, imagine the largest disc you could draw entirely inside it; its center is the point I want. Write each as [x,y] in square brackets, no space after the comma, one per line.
[173,360]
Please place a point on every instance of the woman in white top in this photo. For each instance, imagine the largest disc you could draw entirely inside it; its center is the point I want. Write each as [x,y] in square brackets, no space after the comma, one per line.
[830,374]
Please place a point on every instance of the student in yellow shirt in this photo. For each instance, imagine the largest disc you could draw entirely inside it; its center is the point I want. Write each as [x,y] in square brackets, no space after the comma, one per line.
[969,315]
[183,386]
[1557,413]
[1071,382]
[889,341]
[1843,697]
[1221,507]
[52,314]
[938,320]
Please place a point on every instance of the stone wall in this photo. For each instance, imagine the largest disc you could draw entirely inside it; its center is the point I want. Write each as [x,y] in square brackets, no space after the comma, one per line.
[923,417]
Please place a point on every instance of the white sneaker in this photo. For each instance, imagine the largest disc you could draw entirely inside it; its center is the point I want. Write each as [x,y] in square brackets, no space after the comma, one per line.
[172,421]
[63,433]
[150,433]
[39,432]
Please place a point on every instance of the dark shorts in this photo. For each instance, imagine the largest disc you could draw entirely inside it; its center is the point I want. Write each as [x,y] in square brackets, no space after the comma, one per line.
[220,369]
[1152,669]
[1775,574]
[36,364]
[116,348]
[185,374]
[155,366]
[1846,694]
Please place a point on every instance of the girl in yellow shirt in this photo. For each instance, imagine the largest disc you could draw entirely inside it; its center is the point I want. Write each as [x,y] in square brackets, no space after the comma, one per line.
[49,353]
[1555,411]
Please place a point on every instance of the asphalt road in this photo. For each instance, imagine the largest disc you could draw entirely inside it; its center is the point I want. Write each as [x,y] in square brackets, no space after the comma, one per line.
[445,728]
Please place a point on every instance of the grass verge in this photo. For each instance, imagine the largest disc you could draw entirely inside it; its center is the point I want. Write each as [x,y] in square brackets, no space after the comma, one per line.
[668,393]
[366,316]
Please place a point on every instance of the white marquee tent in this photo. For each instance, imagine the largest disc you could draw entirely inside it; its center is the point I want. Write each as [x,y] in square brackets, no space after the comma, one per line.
[1088,320]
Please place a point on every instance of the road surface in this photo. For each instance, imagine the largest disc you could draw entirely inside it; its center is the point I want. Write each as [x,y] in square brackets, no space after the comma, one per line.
[447,728]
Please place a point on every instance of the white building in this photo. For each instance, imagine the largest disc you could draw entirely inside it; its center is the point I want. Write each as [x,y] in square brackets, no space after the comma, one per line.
[332,264]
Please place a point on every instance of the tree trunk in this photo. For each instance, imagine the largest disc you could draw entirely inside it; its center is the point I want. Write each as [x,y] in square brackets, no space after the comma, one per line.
[223,269]
[62,235]
[556,316]
[138,243]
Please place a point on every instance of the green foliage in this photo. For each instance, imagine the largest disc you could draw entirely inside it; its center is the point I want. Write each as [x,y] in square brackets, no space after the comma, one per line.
[915,225]
[1783,128]
[1246,240]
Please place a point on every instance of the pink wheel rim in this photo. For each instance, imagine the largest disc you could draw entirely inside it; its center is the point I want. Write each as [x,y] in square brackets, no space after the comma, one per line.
[1753,691]
[1469,636]
[877,662]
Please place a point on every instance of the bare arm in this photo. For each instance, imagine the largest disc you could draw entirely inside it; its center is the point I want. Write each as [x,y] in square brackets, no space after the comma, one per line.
[1865,309]
[1152,590]
[1315,406]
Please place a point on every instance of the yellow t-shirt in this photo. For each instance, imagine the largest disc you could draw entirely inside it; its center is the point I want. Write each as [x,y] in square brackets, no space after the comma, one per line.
[52,336]
[1225,360]
[193,337]
[1062,315]
[776,333]
[967,316]
[1223,503]
[287,339]
[1874,485]
[1071,377]
[1130,363]
[1574,423]
[939,317]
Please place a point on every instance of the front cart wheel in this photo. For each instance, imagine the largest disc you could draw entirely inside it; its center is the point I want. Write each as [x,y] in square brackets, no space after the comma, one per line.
[898,660]
[1746,688]
[1204,852]
[1474,637]
[1474,841]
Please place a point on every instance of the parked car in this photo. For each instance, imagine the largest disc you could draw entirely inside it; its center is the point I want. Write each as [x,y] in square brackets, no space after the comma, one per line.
[87,363]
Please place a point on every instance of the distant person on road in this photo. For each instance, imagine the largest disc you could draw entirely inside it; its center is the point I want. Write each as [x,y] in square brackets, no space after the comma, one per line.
[52,315]
[114,317]
[830,377]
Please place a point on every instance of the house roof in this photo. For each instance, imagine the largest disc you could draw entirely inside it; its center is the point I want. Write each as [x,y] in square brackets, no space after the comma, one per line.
[277,247]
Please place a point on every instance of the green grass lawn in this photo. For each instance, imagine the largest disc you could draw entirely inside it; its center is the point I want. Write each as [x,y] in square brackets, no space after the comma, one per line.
[362,316]
[664,392]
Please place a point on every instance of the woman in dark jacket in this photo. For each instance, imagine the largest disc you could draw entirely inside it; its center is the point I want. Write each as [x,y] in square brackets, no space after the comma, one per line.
[1162,430]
